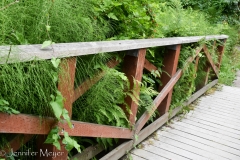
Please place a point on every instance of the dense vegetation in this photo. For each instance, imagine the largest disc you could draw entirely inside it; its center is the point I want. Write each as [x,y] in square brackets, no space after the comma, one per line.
[31,87]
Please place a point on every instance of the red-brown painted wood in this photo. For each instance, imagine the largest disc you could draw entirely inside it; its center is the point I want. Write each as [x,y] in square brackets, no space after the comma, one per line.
[170,67]
[66,87]
[196,66]
[25,124]
[149,66]
[133,68]
[220,50]
[87,84]
[66,82]
[95,130]
[35,125]
[207,70]
[157,101]
[210,61]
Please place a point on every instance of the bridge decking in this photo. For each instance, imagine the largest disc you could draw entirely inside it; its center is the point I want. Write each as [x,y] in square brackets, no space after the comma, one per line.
[210,131]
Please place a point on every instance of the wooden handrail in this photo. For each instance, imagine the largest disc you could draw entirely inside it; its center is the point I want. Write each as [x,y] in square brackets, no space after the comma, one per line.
[21,53]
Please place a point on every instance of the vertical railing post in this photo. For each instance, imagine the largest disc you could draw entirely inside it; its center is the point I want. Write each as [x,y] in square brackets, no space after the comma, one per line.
[133,68]
[66,87]
[220,50]
[170,63]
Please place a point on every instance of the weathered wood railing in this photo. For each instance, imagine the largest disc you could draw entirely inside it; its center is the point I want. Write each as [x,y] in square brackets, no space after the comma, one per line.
[134,63]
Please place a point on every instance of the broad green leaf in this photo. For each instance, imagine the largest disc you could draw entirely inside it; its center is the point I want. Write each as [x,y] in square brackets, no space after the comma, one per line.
[57,109]
[57,145]
[67,118]
[3,102]
[14,111]
[151,52]
[112,16]
[59,98]
[48,27]
[55,62]
[46,44]
[49,140]
[70,143]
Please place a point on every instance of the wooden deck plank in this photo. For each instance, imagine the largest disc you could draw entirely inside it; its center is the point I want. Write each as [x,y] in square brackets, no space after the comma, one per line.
[214,125]
[147,155]
[229,89]
[164,152]
[222,108]
[134,157]
[193,149]
[220,102]
[235,124]
[218,112]
[214,119]
[218,139]
[210,131]
[213,132]
[208,142]
[194,143]
[230,98]
[177,150]
[224,116]
[211,128]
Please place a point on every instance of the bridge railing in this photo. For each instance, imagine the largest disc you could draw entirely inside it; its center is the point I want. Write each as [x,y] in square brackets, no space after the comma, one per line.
[134,63]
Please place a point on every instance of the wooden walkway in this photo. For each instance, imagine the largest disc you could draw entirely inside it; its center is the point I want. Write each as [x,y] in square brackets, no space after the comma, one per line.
[210,131]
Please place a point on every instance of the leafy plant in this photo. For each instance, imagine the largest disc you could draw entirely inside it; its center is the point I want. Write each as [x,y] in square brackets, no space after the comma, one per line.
[4,107]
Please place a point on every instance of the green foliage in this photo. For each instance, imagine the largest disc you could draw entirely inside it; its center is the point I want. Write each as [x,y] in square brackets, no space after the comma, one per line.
[186,84]
[218,10]
[101,103]
[144,19]
[70,21]
[4,107]
[70,143]
[230,64]
[54,137]
[27,86]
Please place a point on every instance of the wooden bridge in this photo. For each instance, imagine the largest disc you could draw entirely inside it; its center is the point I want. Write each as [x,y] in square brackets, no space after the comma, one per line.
[24,126]
[210,131]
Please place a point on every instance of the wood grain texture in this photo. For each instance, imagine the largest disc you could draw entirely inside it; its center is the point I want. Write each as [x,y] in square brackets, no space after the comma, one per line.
[168,87]
[22,53]
[133,69]
[170,63]
[88,153]
[207,132]
[210,60]
[27,124]
[149,66]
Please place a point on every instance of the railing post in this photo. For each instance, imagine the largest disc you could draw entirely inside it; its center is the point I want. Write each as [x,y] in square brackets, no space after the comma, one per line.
[220,50]
[66,87]
[133,68]
[170,63]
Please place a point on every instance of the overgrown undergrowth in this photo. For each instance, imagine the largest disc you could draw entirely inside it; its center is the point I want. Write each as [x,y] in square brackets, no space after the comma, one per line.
[27,87]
